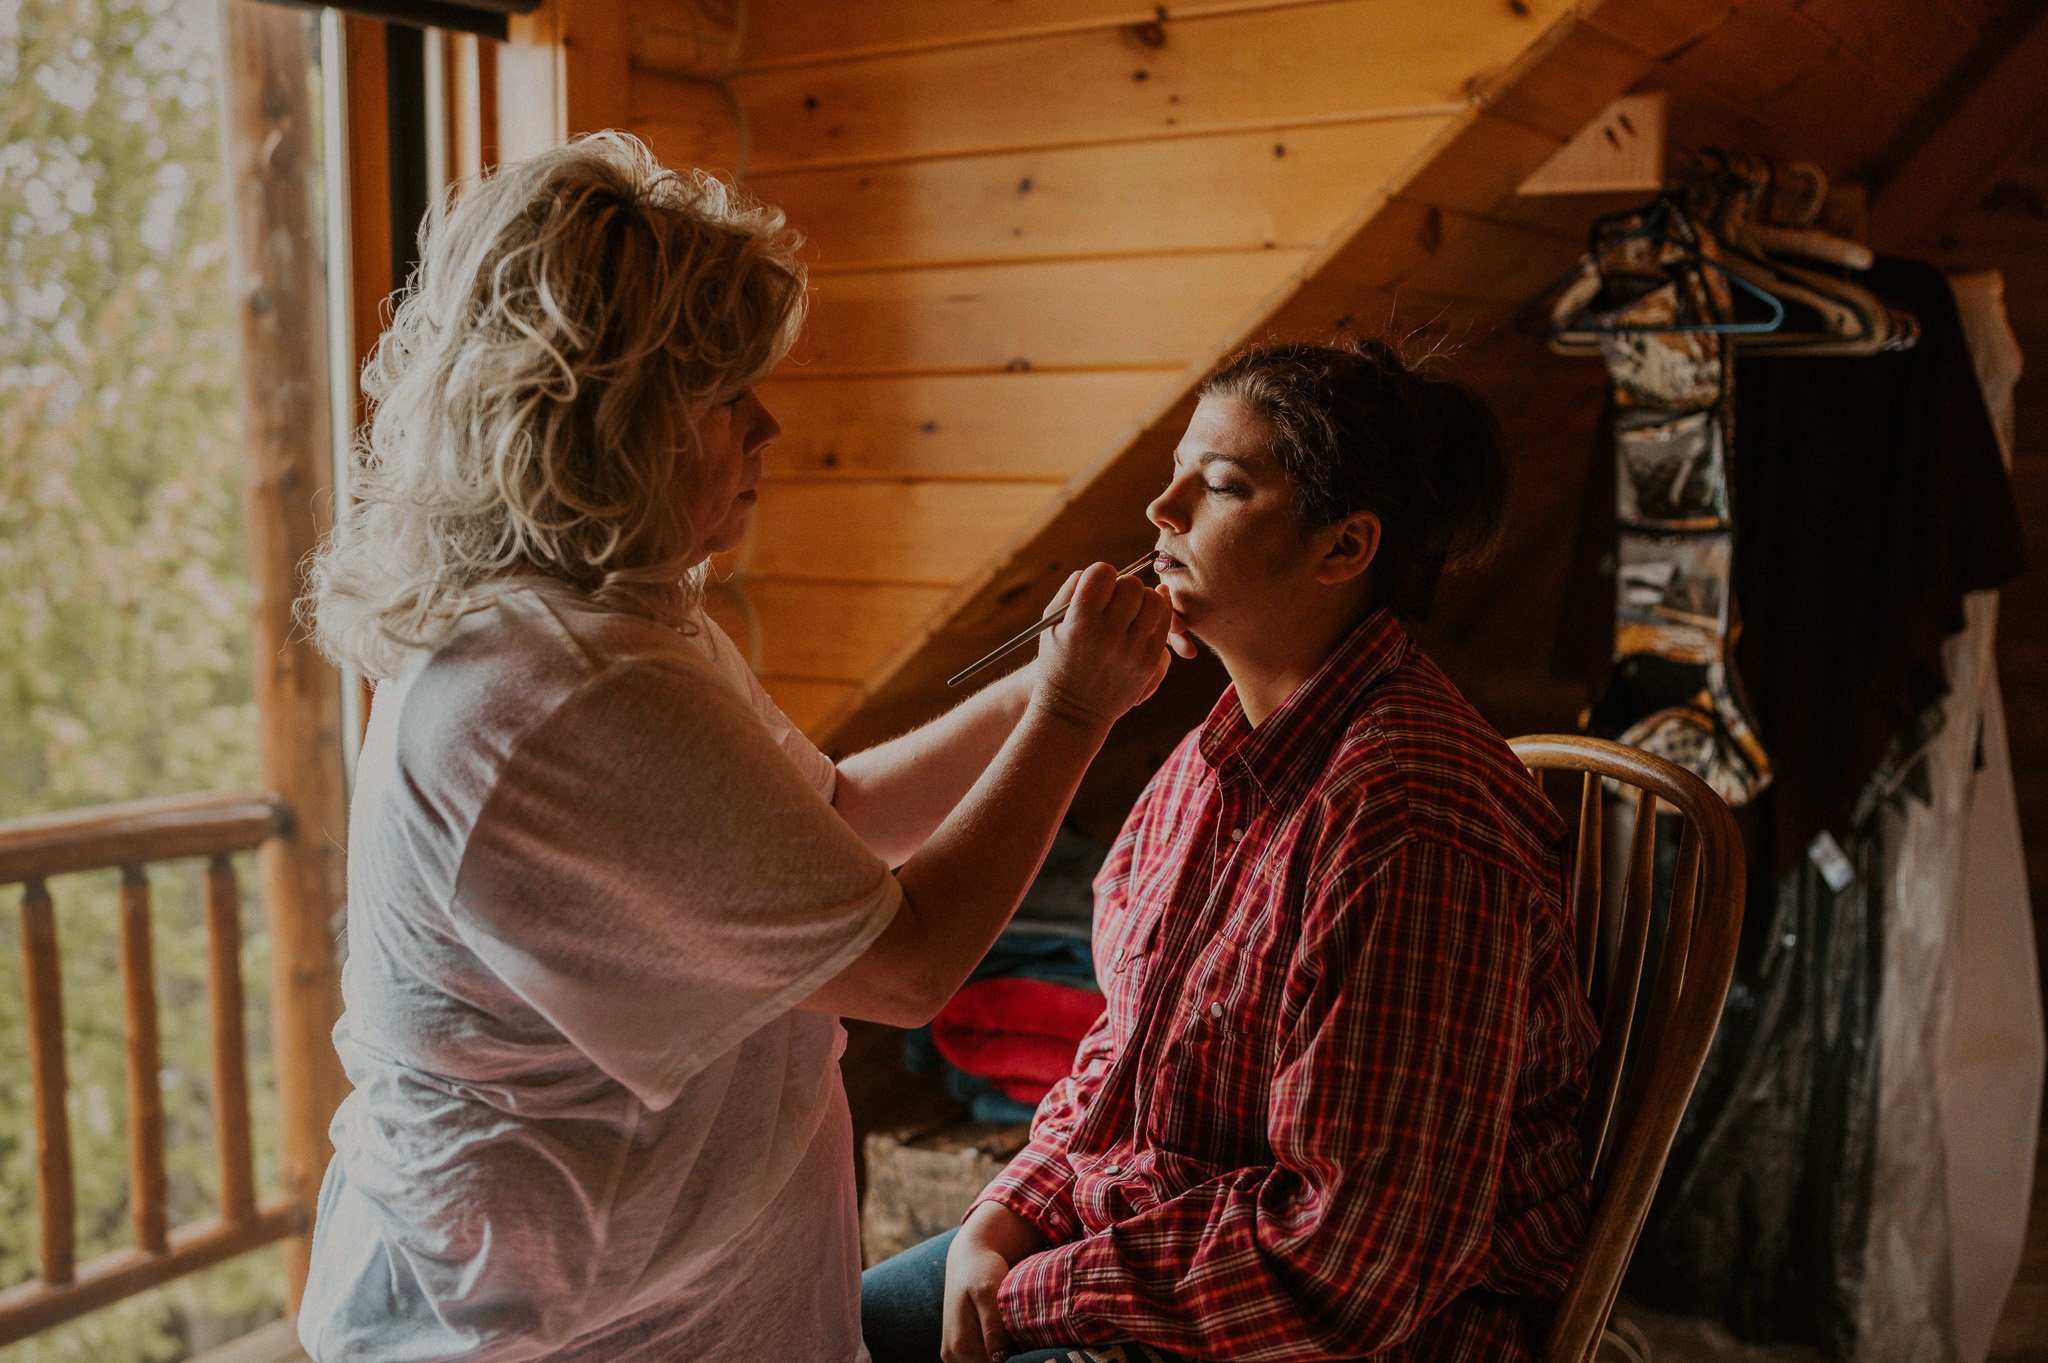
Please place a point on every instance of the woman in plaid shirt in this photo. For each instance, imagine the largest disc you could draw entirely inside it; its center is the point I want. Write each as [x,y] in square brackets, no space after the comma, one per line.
[1330,1111]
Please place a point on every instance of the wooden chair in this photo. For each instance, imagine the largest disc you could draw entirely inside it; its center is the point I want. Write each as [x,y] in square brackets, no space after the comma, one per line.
[1628,1133]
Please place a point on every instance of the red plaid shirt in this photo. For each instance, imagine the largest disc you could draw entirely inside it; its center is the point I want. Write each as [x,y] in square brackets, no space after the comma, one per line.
[1330,1110]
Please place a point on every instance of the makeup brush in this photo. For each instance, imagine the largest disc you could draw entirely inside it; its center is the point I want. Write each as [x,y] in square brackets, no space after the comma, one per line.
[1041,627]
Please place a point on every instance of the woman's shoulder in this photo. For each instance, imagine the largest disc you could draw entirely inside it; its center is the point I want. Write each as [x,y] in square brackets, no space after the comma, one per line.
[1420,762]
[520,660]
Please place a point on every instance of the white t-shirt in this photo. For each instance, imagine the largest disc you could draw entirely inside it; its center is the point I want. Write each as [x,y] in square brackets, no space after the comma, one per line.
[592,869]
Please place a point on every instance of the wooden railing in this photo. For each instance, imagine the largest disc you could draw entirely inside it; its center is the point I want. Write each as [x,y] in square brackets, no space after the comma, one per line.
[131,838]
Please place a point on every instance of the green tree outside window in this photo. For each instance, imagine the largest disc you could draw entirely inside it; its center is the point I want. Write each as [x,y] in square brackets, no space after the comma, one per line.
[124,601]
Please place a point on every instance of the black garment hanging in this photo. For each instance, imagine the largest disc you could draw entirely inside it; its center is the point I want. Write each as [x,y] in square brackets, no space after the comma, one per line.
[1870,499]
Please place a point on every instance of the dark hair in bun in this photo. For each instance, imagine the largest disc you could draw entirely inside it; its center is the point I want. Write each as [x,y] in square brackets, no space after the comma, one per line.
[1359,428]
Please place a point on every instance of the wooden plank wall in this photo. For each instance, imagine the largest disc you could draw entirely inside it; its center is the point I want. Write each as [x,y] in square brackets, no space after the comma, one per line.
[1032,222]
[1028,221]
[1450,255]
[1442,248]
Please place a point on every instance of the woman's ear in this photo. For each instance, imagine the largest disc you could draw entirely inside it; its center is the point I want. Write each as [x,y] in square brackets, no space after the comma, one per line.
[1356,540]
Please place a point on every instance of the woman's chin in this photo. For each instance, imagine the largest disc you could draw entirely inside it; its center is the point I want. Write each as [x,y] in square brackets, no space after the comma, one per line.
[728,536]
[1187,603]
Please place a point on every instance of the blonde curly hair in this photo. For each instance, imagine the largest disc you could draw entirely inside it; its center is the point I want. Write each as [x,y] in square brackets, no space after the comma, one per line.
[537,391]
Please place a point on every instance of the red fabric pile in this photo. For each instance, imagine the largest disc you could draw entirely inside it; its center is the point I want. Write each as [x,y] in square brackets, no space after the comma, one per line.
[1018,1033]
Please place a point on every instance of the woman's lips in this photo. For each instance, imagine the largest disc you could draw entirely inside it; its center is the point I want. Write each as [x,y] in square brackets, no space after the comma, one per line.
[1163,562]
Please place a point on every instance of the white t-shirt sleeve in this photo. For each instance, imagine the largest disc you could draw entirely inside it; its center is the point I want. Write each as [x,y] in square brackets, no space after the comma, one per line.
[654,876]
[725,655]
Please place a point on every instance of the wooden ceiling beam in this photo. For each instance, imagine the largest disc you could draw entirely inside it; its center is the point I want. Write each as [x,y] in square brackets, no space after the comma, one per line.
[1988,111]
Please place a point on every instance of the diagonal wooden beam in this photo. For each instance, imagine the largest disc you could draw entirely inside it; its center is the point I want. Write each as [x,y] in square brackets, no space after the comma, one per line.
[1987,112]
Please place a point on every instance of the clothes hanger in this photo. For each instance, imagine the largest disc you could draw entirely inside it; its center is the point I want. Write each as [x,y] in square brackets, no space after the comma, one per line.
[1572,294]
[1837,318]
[1812,244]
[1759,213]
[1854,321]
[1792,205]
[1873,328]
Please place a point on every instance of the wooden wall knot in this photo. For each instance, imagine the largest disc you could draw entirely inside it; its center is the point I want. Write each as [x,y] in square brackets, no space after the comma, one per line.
[1431,234]
[1150,36]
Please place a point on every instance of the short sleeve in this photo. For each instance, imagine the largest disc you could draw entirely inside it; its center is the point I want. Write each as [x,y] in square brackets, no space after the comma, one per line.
[715,644]
[653,875]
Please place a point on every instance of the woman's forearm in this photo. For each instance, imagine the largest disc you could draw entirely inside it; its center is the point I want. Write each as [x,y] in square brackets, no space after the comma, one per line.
[961,887]
[996,1227]
[896,794]
[1106,655]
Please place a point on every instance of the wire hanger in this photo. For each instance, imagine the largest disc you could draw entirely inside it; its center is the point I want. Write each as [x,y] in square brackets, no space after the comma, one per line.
[1538,316]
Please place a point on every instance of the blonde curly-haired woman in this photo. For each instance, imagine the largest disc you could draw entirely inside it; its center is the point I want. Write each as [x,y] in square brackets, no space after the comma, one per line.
[606,904]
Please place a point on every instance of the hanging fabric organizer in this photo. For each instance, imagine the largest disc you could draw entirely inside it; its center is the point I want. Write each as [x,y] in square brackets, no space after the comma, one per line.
[1663,312]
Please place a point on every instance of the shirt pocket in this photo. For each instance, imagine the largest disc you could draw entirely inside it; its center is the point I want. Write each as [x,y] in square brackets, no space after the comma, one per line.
[1218,1058]
[1123,956]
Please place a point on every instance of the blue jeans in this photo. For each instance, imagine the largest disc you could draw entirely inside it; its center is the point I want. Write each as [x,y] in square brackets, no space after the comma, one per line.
[901,1301]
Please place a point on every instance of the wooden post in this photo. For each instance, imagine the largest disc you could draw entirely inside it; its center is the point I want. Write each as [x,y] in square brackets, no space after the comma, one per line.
[43,984]
[280,296]
[148,1189]
[371,274]
[369,192]
[231,1136]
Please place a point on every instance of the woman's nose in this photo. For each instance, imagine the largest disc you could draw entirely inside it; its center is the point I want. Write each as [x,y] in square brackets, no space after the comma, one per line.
[764,427]
[1165,511]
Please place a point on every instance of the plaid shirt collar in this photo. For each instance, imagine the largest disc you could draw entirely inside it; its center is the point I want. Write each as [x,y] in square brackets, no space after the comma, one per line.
[1283,755]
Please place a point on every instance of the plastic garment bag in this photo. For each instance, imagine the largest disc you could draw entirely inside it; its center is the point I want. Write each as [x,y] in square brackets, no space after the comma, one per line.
[1960,1026]
[1760,1218]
